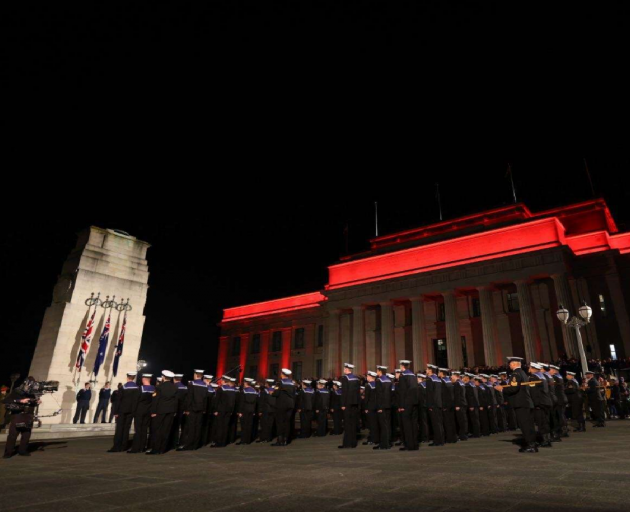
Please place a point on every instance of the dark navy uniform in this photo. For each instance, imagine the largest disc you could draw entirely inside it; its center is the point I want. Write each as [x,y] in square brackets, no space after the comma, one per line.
[247,409]
[226,401]
[335,409]
[520,400]
[596,401]
[448,410]
[350,399]
[542,407]
[164,406]
[371,406]
[208,417]
[307,398]
[558,410]
[285,404]
[472,398]
[195,407]
[142,419]
[574,395]
[180,419]
[384,405]
[267,414]
[461,405]
[434,405]
[126,408]
[408,401]
[104,396]
[423,413]
[322,404]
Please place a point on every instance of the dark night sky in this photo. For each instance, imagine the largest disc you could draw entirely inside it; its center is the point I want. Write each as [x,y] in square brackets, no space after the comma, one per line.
[238,136]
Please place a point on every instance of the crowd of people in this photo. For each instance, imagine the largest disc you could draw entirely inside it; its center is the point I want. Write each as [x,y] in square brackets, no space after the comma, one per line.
[403,408]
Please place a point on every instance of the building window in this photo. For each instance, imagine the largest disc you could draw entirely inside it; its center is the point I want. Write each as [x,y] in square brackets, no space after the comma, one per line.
[299,338]
[602,305]
[276,341]
[512,300]
[441,312]
[476,308]
[613,351]
[236,346]
[253,372]
[319,367]
[274,371]
[297,371]
[320,336]
[256,344]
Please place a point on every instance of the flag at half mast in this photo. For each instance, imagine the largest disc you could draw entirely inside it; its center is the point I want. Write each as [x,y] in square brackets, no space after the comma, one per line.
[86,339]
[119,346]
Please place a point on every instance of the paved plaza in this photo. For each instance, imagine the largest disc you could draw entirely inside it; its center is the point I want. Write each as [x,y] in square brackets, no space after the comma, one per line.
[589,471]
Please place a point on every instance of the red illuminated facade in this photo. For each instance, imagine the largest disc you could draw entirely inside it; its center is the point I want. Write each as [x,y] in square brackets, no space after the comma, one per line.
[458,293]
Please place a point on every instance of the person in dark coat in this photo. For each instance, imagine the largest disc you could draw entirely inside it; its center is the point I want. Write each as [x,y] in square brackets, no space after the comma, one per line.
[448,406]
[434,405]
[20,403]
[226,402]
[423,415]
[472,399]
[542,403]
[517,393]
[408,406]
[163,410]
[322,405]
[460,405]
[142,416]
[127,402]
[484,403]
[285,393]
[350,400]
[560,423]
[104,395]
[83,403]
[246,411]
[371,408]
[180,418]
[335,409]
[510,415]
[305,408]
[194,408]
[113,412]
[596,399]
[573,393]
[267,412]
[208,417]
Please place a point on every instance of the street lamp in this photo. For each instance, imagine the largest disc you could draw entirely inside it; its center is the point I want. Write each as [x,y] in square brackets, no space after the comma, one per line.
[585,313]
[141,364]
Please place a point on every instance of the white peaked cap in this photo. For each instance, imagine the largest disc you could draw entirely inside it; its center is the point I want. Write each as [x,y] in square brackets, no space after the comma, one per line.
[132,374]
[372,374]
[349,365]
[286,371]
[405,362]
[199,371]
[167,373]
[147,375]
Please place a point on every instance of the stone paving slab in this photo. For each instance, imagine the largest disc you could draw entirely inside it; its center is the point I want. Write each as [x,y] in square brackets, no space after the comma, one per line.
[589,471]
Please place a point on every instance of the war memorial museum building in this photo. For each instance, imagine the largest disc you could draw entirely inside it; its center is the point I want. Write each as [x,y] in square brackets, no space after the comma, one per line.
[458,293]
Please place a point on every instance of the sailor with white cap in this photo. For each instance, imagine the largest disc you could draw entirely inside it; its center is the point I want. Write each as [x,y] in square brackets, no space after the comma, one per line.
[285,404]
[335,408]
[371,407]
[305,406]
[520,400]
[142,417]
[246,410]
[163,410]
[434,404]
[542,403]
[322,405]
[350,400]
[408,406]
[266,411]
[225,403]
[126,408]
[194,409]
[179,419]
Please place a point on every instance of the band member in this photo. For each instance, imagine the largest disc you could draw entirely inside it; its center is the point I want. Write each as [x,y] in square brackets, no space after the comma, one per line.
[384,405]
[322,404]
[484,403]
[285,392]
[517,393]
[142,417]
[350,399]
[126,408]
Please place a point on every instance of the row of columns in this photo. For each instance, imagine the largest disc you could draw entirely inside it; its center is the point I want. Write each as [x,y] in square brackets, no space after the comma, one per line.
[363,356]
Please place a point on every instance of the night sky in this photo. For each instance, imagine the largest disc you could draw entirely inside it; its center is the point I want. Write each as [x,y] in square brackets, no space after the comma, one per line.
[238,137]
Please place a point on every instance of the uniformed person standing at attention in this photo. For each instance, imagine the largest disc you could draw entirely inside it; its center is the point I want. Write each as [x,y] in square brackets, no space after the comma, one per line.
[596,399]
[509,410]
[561,420]
[434,405]
[542,403]
[517,393]
[208,417]
[335,409]
[247,409]
[126,408]
[350,399]
[576,401]
[142,417]
[408,406]
[371,407]
[383,408]
[306,409]
[267,411]
[226,401]
[423,415]
[472,398]
[448,406]
[180,418]
[194,409]
[163,411]
[285,393]
[322,404]
[460,405]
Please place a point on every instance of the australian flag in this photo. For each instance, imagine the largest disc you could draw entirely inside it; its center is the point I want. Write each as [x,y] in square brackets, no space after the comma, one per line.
[102,347]
[86,339]
[119,346]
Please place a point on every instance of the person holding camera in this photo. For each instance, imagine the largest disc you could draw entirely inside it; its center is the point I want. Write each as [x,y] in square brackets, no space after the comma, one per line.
[20,405]
[83,403]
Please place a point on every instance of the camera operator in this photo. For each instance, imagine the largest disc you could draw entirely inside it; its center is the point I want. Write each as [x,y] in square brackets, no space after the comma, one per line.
[20,405]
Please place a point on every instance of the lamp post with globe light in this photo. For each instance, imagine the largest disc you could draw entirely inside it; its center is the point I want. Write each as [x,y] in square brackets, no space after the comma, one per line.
[585,313]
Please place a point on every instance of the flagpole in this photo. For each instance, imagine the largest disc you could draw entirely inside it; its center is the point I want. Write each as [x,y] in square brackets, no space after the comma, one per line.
[512,181]
[588,173]
[376,215]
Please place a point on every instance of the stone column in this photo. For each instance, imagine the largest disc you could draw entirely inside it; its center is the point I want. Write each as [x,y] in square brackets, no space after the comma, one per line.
[418,333]
[358,339]
[244,355]
[618,304]
[528,322]
[332,344]
[263,358]
[453,340]
[287,335]
[224,342]
[345,340]
[372,341]
[490,347]
[388,356]
[563,295]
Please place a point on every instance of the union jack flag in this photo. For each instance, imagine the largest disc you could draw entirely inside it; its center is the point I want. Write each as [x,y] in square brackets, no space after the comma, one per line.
[102,346]
[86,339]
[119,346]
